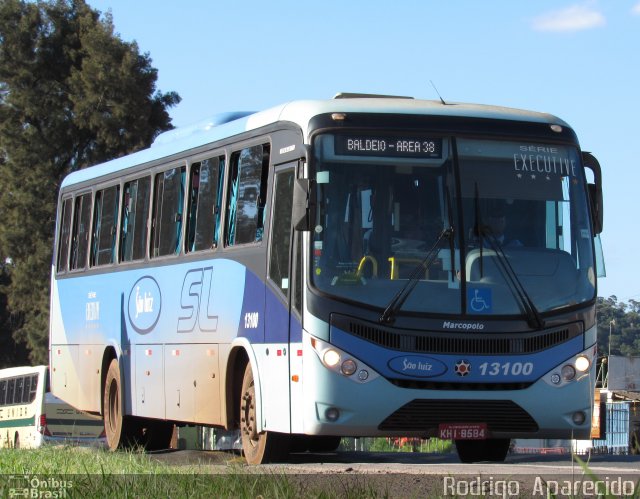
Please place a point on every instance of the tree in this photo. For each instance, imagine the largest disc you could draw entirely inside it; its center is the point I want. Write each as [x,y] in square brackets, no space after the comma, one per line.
[618,327]
[72,94]
[11,353]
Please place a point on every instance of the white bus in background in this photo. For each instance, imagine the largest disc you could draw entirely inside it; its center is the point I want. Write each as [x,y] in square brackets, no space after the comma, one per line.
[30,415]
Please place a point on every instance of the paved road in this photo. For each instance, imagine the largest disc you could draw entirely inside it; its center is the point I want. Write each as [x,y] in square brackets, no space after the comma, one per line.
[433,475]
[406,462]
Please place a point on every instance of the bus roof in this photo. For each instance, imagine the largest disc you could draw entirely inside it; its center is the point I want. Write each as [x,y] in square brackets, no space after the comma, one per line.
[300,112]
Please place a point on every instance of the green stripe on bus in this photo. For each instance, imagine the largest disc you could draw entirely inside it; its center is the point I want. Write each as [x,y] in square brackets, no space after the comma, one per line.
[75,422]
[10,423]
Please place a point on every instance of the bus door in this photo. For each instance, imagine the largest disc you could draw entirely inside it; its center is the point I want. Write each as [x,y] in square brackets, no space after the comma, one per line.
[282,327]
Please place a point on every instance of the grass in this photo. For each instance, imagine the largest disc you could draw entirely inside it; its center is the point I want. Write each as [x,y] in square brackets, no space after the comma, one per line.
[89,473]
[434,445]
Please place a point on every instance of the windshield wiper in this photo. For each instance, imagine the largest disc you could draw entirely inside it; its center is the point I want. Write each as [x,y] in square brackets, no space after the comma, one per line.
[533,315]
[388,316]
[483,231]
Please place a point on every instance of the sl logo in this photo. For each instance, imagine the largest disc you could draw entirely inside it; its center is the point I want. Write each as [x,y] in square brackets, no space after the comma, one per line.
[195,302]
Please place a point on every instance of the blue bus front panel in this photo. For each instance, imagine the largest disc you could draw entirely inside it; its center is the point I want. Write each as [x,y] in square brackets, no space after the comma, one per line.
[521,403]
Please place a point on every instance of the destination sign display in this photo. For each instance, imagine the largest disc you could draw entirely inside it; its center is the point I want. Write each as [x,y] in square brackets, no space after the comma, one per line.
[388,145]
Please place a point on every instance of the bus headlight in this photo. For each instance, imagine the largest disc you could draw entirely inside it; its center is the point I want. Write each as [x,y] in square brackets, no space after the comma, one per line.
[568,372]
[572,370]
[331,358]
[341,362]
[348,367]
[582,364]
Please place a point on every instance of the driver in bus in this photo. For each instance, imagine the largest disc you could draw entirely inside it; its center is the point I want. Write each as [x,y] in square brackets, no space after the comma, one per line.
[497,223]
[495,227]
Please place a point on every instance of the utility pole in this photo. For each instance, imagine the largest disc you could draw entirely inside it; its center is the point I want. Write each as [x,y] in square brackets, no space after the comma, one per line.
[612,324]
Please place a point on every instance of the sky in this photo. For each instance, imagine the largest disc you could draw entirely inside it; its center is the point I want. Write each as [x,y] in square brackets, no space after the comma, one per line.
[576,59]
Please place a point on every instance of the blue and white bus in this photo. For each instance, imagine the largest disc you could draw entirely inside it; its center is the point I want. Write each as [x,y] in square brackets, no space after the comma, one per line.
[359,266]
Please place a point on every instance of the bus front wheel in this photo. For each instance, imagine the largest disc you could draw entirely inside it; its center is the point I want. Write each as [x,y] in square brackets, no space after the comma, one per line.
[257,447]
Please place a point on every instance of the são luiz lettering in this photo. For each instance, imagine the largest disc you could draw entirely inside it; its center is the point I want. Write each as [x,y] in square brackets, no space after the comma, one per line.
[416,366]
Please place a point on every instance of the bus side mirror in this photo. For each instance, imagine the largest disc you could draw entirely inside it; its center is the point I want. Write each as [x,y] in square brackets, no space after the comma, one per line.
[303,205]
[595,191]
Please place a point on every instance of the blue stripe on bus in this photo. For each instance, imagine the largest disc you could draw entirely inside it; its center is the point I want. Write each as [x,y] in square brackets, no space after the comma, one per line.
[208,293]
[252,326]
[211,301]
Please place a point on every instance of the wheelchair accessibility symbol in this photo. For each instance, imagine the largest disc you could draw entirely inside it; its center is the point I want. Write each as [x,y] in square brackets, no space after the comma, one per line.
[479,300]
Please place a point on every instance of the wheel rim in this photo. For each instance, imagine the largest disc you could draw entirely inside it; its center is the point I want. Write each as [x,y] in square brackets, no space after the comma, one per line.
[114,406]
[248,419]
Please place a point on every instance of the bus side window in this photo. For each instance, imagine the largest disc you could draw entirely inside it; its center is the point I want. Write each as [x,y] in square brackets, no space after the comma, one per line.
[34,388]
[65,230]
[281,230]
[297,283]
[167,212]
[80,236]
[135,211]
[3,392]
[205,195]
[17,397]
[26,389]
[247,195]
[11,388]
[105,216]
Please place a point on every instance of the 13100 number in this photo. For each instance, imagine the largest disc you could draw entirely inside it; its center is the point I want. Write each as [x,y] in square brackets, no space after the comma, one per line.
[506,368]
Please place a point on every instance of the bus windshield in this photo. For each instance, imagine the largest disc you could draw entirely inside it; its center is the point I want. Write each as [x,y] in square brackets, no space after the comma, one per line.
[518,210]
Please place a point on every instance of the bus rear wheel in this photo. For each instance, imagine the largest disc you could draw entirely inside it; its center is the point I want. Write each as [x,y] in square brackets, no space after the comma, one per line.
[121,432]
[257,447]
[491,449]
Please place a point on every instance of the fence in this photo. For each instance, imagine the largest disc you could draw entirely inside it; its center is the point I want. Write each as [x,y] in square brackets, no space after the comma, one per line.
[616,430]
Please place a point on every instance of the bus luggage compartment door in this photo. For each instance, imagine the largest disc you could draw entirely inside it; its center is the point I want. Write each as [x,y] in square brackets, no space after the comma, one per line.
[149,401]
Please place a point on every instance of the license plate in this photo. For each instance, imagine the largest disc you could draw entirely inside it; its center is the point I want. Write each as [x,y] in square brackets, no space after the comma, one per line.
[463,431]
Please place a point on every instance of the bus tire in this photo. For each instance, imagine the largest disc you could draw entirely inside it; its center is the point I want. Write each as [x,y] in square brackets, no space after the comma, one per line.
[121,432]
[257,447]
[491,449]
[16,441]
